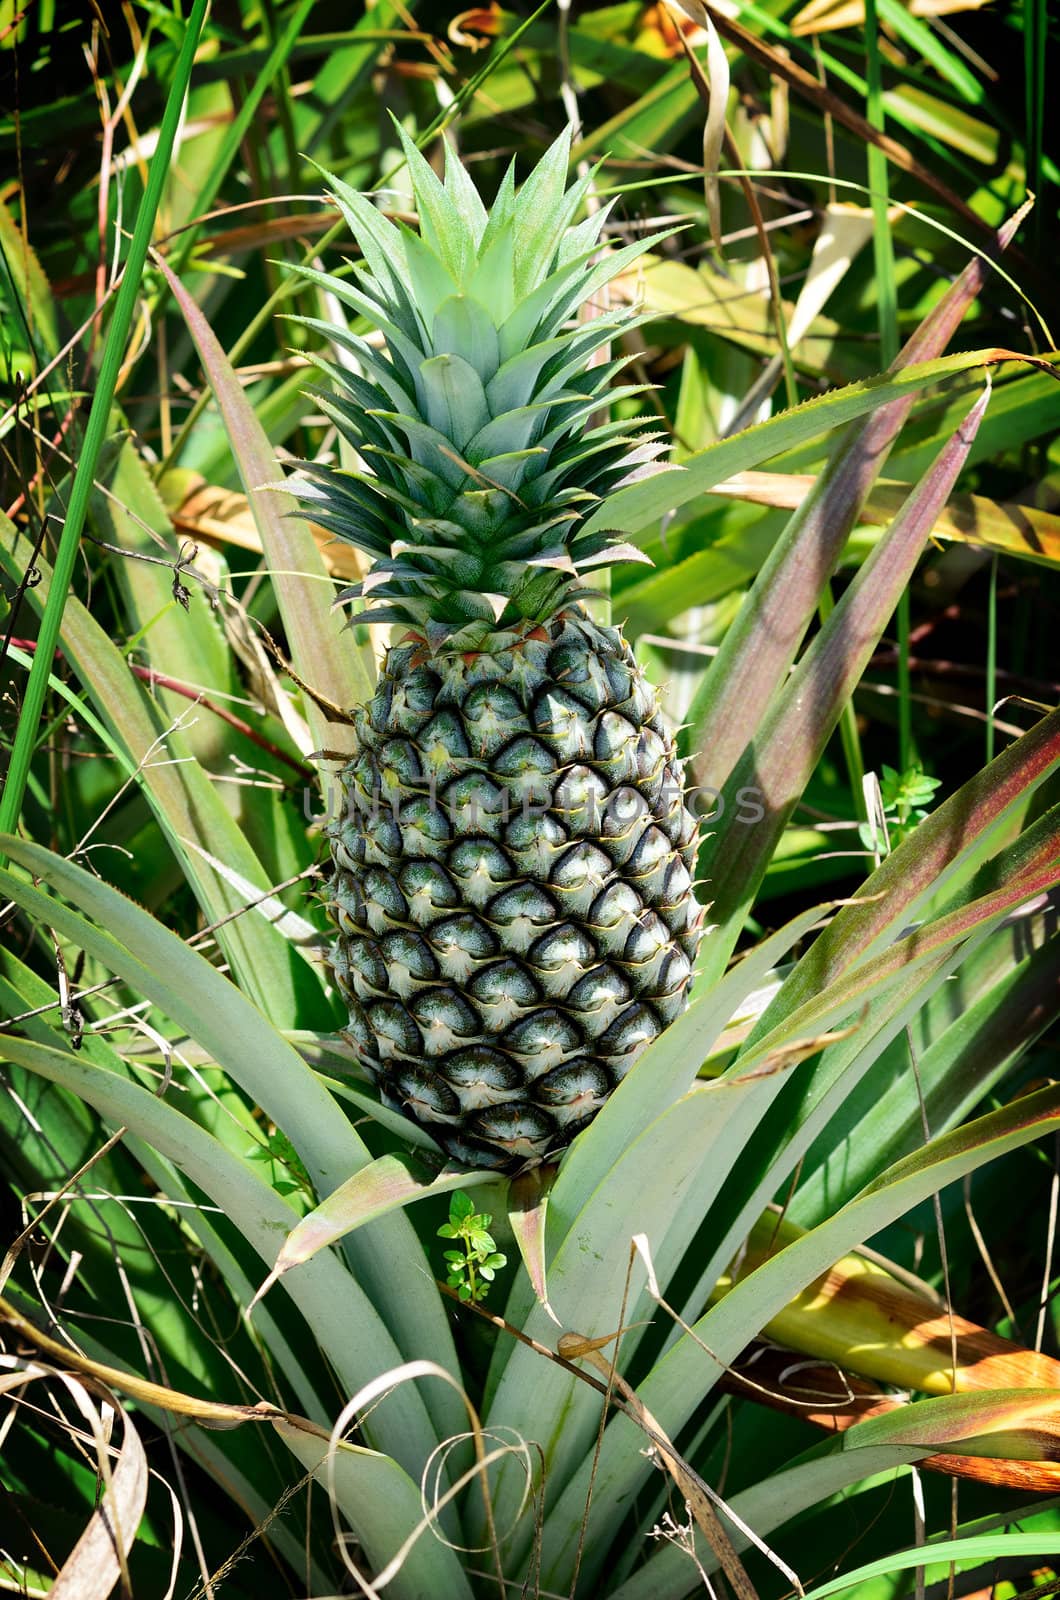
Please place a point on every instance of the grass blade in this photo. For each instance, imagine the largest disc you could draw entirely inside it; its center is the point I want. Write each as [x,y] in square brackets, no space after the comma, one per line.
[248,103]
[96,430]
[983,1547]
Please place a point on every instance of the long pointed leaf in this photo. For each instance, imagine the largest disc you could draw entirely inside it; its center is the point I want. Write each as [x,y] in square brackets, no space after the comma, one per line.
[957,1065]
[179,792]
[761,645]
[848,992]
[878,1445]
[341,1314]
[663,1183]
[683,1378]
[382,1505]
[645,503]
[659,1077]
[183,984]
[923,862]
[942,1554]
[791,738]
[324,658]
[387,1184]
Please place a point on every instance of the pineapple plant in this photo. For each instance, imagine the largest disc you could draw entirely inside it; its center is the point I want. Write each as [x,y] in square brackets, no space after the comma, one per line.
[514,853]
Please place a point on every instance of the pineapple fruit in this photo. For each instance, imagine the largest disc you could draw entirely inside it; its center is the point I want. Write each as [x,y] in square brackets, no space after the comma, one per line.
[514,857]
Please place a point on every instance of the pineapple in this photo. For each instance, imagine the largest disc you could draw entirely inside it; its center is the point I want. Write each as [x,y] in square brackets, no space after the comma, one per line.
[513,863]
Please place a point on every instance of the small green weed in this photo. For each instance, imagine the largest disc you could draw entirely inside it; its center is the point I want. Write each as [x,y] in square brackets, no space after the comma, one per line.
[470,1271]
[904,797]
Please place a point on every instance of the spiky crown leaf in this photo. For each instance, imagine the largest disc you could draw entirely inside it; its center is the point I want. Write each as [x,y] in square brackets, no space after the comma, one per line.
[476,461]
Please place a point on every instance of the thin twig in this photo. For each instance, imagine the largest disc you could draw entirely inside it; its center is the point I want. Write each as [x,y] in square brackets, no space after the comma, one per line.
[162,680]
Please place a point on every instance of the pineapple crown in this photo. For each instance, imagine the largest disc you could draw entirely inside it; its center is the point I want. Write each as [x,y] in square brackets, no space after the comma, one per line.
[474,457]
